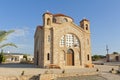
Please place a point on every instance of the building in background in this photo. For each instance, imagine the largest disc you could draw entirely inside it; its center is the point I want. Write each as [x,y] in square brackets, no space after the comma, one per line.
[16,57]
[113,57]
[13,57]
[61,42]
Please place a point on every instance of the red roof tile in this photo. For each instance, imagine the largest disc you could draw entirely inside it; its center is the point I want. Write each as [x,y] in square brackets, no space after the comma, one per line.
[39,27]
[55,15]
[59,15]
[84,20]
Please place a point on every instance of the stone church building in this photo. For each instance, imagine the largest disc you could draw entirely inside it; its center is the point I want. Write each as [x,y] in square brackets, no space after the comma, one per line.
[59,41]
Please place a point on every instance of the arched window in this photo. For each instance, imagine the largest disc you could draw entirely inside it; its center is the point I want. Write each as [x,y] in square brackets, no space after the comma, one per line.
[86,26]
[48,21]
[48,56]
[88,57]
[69,40]
[65,20]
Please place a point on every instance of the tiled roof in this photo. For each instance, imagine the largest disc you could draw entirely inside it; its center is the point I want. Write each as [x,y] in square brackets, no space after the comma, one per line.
[39,27]
[48,13]
[84,20]
[59,15]
[56,15]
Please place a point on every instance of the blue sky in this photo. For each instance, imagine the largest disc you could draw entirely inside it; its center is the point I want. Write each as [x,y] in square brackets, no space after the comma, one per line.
[24,15]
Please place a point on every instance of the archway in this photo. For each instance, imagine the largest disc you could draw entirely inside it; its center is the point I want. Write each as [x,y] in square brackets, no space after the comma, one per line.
[70,57]
[48,21]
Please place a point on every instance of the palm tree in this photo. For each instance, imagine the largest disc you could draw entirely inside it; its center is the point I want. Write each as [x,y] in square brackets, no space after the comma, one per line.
[3,37]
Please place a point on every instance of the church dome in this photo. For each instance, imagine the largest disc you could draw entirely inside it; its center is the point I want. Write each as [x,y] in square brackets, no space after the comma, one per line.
[59,18]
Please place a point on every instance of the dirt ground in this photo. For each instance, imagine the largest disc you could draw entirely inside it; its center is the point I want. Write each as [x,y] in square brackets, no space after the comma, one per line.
[16,69]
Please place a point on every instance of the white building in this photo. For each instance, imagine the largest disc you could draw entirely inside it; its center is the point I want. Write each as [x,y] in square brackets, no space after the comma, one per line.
[16,57]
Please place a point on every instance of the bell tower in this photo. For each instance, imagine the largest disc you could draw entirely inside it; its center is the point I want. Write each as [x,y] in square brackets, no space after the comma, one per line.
[85,24]
[47,19]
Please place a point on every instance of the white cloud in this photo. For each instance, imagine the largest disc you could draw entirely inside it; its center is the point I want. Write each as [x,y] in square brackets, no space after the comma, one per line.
[22,48]
[23,38]
[20,32]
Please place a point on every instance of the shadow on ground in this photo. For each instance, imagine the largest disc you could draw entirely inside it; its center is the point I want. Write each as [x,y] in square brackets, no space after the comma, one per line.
[16,65]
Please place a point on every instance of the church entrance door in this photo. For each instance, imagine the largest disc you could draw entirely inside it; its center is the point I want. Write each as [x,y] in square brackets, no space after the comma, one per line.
[70,57]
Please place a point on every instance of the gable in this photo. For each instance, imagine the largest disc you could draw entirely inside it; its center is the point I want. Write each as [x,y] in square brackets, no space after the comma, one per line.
[68,28]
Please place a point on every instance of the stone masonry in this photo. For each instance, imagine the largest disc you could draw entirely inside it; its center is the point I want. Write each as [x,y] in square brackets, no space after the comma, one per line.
[60,42]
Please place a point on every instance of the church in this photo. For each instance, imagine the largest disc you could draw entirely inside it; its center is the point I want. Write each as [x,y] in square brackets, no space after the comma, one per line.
[59,41]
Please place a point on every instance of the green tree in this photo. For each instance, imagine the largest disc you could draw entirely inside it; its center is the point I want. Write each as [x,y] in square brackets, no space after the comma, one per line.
[2,57]
[3,37]
[115,53]
[25,57]
[97,57]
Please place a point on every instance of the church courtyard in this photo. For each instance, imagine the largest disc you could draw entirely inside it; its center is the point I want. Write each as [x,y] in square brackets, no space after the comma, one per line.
[15,69]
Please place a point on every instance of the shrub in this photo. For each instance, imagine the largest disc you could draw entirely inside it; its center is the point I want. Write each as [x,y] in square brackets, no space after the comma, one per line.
[2,57]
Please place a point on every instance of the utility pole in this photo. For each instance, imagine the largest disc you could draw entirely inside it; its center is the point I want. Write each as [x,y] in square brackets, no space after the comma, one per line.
[107,49]
[107,56]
